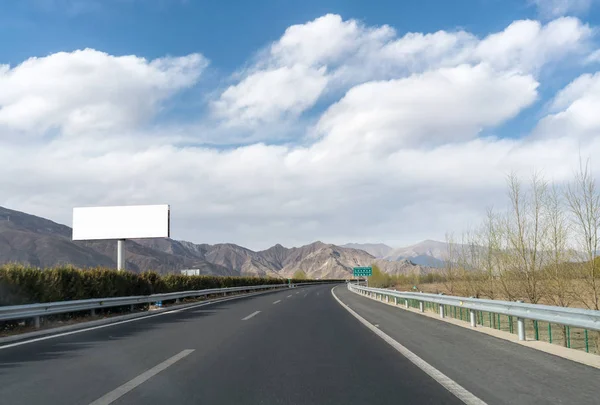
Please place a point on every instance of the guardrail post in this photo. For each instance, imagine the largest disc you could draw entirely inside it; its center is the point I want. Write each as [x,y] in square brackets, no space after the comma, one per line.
[421,306]
[131,307]
[395,300]
[521,328]
[441,311]
[387,298]
[93,312]
[36,322]
[406,303]
[472,316]
[177,300]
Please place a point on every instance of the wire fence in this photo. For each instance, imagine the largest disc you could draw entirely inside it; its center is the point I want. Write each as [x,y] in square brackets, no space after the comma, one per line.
[561,335]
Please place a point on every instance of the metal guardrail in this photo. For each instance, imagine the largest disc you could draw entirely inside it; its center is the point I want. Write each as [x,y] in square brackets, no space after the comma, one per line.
[575,317]
[35,311]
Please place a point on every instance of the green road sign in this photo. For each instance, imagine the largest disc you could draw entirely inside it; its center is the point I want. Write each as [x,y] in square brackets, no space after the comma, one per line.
[363,271]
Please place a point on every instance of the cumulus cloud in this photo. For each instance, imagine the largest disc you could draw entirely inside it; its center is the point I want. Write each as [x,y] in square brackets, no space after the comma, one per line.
[397,153]
[528,45]
[396,114]
[265,96]
[330,54]
[85,90]
[574,111]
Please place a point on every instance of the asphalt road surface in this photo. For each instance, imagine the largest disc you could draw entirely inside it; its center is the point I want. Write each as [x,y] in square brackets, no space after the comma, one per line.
[297,346]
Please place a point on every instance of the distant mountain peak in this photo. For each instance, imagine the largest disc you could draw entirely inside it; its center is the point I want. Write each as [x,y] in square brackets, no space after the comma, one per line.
[378,250]
[426,253]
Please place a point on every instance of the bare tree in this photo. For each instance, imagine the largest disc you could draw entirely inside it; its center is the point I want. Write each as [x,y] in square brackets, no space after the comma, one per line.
[490,251]
[525,233]
[450,264]
[470,266]
[507,262]
[558,278]
[584,202]
[559,274]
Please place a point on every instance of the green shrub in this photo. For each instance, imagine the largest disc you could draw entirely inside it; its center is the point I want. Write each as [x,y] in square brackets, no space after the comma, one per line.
[25,285]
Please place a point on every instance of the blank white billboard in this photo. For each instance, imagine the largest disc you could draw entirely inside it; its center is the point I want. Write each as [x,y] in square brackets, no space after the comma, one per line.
[124,222]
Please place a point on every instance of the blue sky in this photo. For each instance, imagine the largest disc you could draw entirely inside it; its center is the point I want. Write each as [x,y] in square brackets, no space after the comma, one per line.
[283,121]
[227,32]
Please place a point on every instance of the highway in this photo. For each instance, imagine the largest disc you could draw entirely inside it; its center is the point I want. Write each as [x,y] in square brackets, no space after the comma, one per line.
[297,346]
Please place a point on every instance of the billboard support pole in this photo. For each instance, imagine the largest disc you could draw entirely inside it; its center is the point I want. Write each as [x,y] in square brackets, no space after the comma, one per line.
[120,254]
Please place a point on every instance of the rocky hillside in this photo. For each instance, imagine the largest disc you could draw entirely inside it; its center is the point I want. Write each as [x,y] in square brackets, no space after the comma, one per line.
[39,242]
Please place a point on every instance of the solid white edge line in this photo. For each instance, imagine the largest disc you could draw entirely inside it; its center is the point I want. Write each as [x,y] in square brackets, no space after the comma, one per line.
[251,315]
[24,342]
[117,393]
[457,390]
[277,302]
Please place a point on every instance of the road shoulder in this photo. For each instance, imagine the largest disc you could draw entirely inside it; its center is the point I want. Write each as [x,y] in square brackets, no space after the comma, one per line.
[495,370]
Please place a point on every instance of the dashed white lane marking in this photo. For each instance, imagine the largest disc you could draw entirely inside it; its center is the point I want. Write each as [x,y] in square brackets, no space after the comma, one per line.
[140,379]
[277,302]
[251,315]
[289,296]
[459,391]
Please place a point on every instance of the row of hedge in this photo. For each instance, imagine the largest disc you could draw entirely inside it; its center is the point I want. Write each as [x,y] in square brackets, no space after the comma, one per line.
[23,285]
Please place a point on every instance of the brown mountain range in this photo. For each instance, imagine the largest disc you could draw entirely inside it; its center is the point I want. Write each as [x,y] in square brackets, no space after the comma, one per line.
[39,242]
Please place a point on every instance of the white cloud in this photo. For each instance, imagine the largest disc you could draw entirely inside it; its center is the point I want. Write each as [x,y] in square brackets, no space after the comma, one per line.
[556,8]
[384,116]
[88,90]
[331,55]
[398,157]
[265,96]
[528,45]
[327,40]
[574,111]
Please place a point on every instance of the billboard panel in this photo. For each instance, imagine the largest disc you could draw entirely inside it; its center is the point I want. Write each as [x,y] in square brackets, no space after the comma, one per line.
[122,222]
